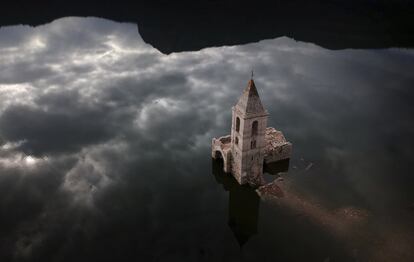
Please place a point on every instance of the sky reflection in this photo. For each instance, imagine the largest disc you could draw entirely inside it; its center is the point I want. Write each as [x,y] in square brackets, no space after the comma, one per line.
[105,142]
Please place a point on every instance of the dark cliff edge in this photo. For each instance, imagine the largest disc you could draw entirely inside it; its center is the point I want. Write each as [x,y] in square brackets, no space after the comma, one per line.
[175,26]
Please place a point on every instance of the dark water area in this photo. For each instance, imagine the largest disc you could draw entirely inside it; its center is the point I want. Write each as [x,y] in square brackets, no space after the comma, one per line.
[105,149]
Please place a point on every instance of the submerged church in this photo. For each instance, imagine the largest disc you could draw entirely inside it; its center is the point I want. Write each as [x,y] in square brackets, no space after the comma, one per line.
[251,143]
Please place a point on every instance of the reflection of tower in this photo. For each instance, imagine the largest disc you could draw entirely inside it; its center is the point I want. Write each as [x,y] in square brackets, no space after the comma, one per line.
[248,130]
[243,212]
[243,205]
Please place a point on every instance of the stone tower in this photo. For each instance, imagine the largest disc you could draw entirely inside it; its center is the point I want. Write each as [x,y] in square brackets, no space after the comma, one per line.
[251,143]
[249,122]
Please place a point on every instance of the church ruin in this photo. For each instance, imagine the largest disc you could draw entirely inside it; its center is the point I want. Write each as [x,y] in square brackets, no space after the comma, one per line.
[251,143]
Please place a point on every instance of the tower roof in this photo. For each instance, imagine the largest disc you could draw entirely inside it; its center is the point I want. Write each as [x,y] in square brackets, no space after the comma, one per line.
[249,102]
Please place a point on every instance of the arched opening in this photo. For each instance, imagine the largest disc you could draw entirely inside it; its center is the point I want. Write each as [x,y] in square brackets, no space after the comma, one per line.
[218,155]
[237,124]
[255,127]
[221,160]
[236,140]
[218,162]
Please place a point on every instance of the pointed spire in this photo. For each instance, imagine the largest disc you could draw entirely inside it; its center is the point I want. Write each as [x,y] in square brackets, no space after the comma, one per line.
[249,101]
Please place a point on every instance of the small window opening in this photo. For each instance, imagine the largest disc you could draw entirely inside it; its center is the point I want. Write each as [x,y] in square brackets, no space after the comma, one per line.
[237,124]
[255,127]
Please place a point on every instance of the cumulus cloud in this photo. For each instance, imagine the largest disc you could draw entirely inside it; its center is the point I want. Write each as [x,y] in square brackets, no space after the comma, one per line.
[105,141]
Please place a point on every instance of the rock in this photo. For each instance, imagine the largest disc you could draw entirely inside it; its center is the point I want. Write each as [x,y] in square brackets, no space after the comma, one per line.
[271,190]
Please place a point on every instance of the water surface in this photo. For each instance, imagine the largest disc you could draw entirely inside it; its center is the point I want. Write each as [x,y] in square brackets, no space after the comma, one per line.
[105,149]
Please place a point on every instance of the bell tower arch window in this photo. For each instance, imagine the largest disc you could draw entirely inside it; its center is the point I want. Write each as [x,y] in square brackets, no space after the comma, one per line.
[237,124]
[255,127]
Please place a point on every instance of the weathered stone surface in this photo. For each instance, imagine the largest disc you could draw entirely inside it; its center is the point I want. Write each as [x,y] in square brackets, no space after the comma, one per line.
[249,102]
[277,148]
[270,190]
[221,149]
[251,143]
[255,180]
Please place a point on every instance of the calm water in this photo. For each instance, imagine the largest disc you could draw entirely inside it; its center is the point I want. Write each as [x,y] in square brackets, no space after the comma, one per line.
[105,149]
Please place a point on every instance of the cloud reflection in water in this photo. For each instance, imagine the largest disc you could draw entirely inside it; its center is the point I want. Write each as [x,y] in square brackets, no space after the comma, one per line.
[105,141]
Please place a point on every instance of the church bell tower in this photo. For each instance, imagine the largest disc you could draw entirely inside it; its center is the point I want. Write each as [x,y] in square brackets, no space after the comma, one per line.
[249,122]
